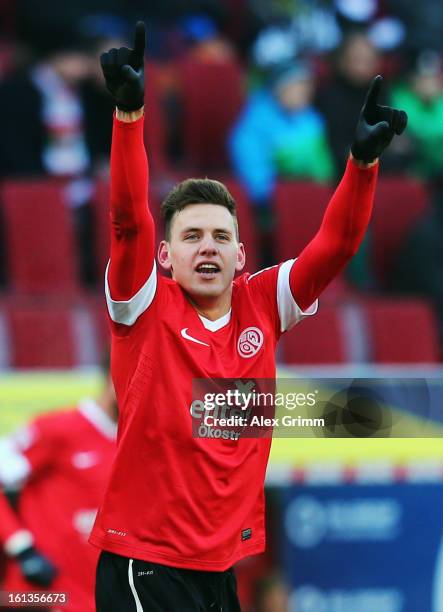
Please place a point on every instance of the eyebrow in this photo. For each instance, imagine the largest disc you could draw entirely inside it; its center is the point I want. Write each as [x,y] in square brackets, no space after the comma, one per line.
[199,229]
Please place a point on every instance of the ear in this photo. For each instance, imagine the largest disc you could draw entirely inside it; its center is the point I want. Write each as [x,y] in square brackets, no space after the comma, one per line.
[241,257]
[163,255]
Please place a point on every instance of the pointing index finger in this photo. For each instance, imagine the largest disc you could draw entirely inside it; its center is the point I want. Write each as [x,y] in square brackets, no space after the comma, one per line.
[374,90]
[140,39]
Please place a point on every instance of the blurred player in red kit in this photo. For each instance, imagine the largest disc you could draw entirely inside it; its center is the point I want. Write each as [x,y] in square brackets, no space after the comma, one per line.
[58,465]
[180,510]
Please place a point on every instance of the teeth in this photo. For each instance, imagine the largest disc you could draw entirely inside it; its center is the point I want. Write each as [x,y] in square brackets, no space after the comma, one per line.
[208,267]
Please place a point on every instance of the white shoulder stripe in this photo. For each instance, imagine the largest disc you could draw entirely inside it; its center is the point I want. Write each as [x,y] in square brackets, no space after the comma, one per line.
[131,584]
[288,310]
[127,312]
[14,466]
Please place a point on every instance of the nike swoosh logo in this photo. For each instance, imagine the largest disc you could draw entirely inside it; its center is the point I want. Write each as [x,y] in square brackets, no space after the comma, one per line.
[186,336]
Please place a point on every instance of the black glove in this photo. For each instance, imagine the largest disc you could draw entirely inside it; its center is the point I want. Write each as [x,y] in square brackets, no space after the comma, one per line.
[376,125]
[35,568]
[123,70]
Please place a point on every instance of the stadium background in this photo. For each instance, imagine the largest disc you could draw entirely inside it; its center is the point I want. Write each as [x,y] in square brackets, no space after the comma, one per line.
[203,60]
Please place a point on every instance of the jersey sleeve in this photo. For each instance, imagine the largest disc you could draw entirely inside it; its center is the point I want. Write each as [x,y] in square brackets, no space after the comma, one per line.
[271,287]
[290,290]
[339,237]
[131,276]
[14,537]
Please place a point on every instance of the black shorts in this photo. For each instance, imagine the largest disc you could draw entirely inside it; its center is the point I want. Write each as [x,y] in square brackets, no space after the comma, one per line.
[130,585]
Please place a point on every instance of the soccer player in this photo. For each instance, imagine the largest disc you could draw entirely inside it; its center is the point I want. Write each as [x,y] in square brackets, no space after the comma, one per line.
[179,510]
[59,465]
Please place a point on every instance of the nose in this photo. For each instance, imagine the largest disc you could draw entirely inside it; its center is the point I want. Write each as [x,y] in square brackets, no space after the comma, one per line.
[208,246]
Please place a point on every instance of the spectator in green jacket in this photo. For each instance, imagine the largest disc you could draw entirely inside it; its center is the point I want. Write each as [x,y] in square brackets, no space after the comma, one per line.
[421,95]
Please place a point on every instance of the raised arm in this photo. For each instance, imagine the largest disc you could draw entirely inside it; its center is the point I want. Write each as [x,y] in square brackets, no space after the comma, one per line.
[349,211]
[132,226]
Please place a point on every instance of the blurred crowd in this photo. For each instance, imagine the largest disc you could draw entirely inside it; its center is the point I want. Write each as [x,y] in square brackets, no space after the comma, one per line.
[286,79]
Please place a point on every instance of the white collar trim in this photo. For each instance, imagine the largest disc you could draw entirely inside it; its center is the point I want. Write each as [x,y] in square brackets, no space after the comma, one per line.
[214,326]
[97,417]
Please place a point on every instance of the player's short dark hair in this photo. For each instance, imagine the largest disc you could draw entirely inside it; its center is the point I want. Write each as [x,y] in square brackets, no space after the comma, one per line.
[196,191]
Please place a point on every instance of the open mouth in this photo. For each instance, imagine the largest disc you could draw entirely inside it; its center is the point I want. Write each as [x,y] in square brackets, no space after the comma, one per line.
[208,270]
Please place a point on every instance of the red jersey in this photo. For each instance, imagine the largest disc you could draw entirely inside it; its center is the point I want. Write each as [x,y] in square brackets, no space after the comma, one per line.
[62,461]
[173,498]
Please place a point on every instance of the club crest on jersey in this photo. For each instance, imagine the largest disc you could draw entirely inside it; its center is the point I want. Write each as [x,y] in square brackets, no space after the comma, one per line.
[250,342]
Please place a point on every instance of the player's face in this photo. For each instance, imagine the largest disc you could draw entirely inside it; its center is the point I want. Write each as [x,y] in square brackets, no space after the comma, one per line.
[203,253]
